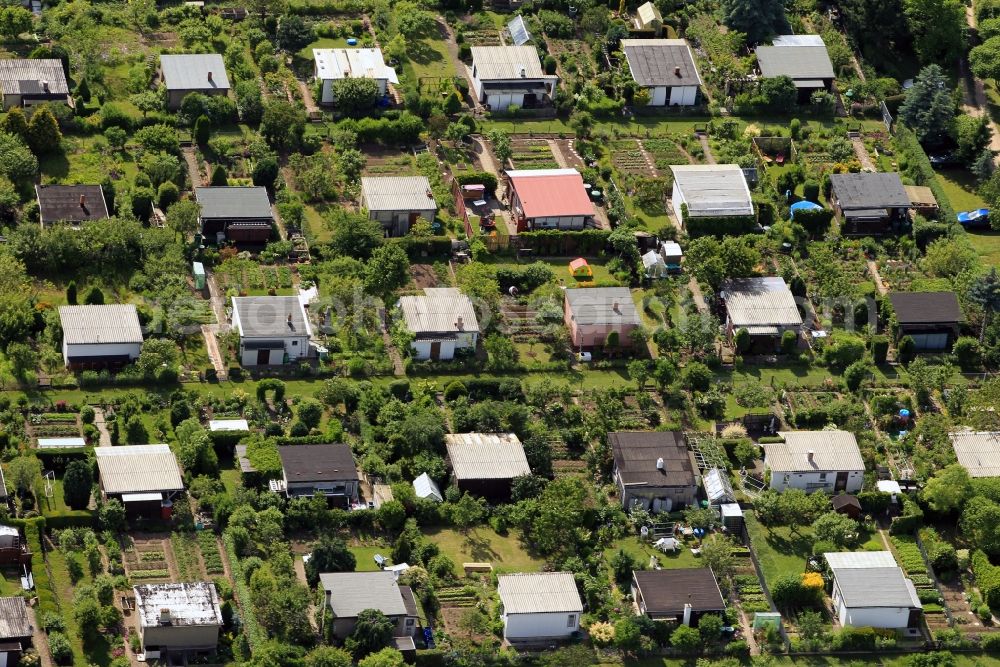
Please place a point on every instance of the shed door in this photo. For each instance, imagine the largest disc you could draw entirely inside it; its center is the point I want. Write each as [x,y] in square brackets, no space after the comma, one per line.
[263,357]
[436,350]
[841,483]
[3,659]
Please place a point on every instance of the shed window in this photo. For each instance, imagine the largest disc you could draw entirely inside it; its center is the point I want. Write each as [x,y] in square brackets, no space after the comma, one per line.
[571,621]
[295,342]
[409,622]
[822,477]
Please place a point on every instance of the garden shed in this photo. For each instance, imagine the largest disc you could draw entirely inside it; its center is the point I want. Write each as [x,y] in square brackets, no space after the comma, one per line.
[178,619]
[486,464]
[145,478]
[680,595]
[592,314]
[539,606]
[653,470]
[978,452]
[71,204]
[98,336]
[16,630]
[665,68]
[186,73]
[331,65]
[29,81]
[648,18]
[870,590]
[932,319]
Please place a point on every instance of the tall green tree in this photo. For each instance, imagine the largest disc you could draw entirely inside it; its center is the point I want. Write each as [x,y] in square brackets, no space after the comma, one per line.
[984,60]
[985,292]
[77,482]
[938,29]
[372,633]
[929,109]
[355,96]
[757,19]
[948,489]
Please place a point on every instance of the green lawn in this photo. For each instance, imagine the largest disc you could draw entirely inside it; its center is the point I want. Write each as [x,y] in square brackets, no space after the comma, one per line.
[960,186]
[642,551]
[987,244]
[230,480]
[483,545]
[779,551]
[775,376]
[365,557]
[428,58]
[306,52]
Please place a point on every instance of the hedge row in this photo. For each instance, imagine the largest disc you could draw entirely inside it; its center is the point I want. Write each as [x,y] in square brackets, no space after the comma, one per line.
[910,520]
[730,225]
[987,578]
[421,248]
[559,243]
[255,634]
[920,170]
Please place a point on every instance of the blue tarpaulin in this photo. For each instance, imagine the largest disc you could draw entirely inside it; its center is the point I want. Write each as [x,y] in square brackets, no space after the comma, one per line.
[804,206]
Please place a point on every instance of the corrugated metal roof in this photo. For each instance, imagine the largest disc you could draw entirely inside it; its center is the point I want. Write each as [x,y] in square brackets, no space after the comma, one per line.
[233,202]
[498,63]
[843,560]
[14,622]
[648,13]
[602,306]
[760,304]
[551,193]
[189,604]
[228,425]
[795,62]
[190,71]
[333,64]
[978,452]
[713,189]
[661,62]
[425,487]
[138,468]
[833,451]
[18,77]
[267,316]
[486,455]
[350,593]
[397,193]
[112,323]
[539,593]
[797,40]
[437,312]
[872,579]
[61,443]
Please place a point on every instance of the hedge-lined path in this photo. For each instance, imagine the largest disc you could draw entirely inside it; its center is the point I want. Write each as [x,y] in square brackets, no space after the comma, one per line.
[104,439]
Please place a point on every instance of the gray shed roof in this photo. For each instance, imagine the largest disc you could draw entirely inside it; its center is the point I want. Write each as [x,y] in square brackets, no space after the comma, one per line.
[111,323]
[397,193]
[832,451]
[21,77]
[350,593]
[70,203]
[661,62]
[14,622]
[868,190]
[795,62]
[539,593]
[978,452]
[501,63]
[138,469]
[711,190]
[871,581]
[486,455]
[761,305]
[914,308]
[191,71]
[438,310]
[263,316]
[602,306]
[233,202]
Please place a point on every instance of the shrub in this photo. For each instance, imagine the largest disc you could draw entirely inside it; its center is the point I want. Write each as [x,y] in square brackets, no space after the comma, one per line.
[454,390]
[880,349]
[696,376]
[967,353]
[60,648]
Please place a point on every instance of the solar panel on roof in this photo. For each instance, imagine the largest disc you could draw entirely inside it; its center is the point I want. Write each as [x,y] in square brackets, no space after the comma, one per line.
[518,31]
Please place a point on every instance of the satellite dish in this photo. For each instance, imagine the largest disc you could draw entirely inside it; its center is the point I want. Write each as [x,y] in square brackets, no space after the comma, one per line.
[518,31]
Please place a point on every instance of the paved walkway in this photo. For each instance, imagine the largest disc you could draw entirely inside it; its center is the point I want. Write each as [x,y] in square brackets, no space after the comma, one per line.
[862,152]
[39,640]
[212,347]
[975,102]
[398,369]
[194,171]
[104,439]
[877,277]
[307,98]
[709,158]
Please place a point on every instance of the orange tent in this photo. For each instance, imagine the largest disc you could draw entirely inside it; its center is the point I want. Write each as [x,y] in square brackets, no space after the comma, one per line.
[579,268]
